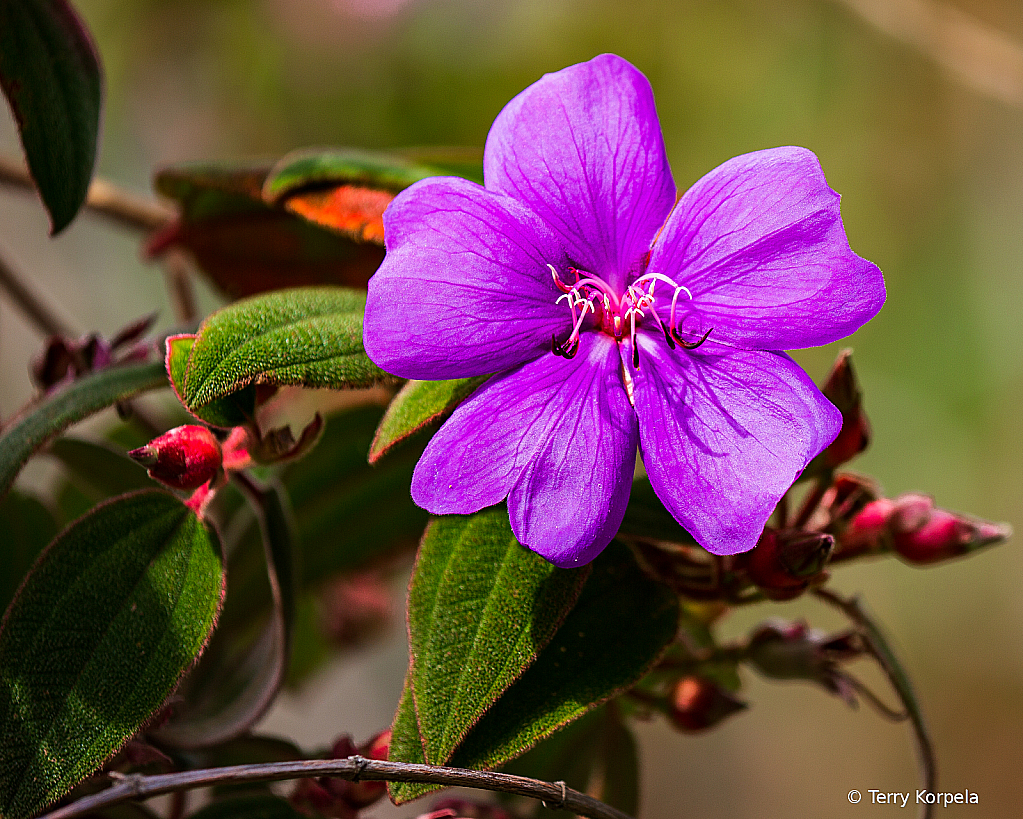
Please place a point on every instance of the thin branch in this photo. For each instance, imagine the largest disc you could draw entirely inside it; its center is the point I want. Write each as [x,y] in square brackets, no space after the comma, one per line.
[30,304]
[105,198]
[879,650]
[138,786]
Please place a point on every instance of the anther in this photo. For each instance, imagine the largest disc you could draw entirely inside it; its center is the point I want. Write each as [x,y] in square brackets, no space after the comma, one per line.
[690,345]
[667,337]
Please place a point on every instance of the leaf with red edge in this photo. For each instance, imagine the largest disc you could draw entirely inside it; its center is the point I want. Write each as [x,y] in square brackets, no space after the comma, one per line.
[115,611]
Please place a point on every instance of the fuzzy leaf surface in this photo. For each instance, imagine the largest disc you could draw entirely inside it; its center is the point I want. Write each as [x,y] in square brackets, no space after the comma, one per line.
[71,404]
[121,604]
[230,411]
[481,607]
[406,746]
[309,337]
[50,73]
[611,638]
[419,404]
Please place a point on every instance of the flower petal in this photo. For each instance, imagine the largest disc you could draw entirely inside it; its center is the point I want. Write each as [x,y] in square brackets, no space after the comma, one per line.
[724,433]
[557,436]
[464,288]
[760,244]
[582,147]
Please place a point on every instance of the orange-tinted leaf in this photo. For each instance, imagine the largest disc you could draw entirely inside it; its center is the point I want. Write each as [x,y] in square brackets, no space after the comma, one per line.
[351,210]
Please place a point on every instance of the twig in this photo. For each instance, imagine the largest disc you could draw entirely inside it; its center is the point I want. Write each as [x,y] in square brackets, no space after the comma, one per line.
[104,198]
[138,786]
[879,649]
[31,305]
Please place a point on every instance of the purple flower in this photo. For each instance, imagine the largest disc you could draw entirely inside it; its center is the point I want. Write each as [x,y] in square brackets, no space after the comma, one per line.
[613,316]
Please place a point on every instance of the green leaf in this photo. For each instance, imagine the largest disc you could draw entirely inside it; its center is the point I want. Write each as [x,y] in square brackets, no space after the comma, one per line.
[418,405]
[310,337]
[480,608]
[348,166]
[50,72]
[27,527]
[231,411]
[616,632]
[78,400]
[118,608]
[406,746]
[596,754]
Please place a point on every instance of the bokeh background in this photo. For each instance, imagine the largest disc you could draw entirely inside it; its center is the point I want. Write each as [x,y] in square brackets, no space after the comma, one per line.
[915,109]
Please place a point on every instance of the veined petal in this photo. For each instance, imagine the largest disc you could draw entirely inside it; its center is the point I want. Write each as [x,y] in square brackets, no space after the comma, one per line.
[557,437]
[759,243]
[724,433]
[464,288]
[582,147]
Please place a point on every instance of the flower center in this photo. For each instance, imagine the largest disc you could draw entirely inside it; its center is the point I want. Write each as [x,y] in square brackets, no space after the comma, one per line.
[617,315]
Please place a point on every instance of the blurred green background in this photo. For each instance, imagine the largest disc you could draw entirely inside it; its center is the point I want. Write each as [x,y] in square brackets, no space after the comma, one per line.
[915,109]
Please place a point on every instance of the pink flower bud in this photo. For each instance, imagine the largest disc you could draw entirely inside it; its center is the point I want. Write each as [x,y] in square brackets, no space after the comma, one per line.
[698,703]
[184,458]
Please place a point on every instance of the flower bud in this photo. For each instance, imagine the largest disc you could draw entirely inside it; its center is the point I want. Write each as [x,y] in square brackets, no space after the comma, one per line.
[793,651]
[184,458]
[918,531]
[698,703]
[785,562]
[843,390]
[343,798]
[363,794]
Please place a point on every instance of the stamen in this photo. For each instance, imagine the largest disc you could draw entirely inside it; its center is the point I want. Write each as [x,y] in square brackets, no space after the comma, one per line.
[689,345]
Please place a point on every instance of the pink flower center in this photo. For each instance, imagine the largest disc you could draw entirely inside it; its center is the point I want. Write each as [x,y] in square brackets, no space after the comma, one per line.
[617,315]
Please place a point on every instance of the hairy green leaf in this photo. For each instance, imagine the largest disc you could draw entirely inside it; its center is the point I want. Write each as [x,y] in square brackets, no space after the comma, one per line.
[121,604]
[616,632]
[50,72]
[417,405]
[78,400]
[481,607]
[406,746]
[310,337]
[230,411]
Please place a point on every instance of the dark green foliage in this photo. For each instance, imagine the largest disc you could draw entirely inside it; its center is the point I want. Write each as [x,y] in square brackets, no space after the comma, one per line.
[480,609]
[50,72]
[120,606]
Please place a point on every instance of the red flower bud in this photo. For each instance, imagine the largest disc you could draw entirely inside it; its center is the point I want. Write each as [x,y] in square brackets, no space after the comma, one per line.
[785,562]
[843,390]
[698,703]
[184,458]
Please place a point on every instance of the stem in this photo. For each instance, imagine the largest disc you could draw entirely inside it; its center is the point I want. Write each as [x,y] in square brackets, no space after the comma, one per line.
[31,305]
[138,786]
[879,649]
[105,198]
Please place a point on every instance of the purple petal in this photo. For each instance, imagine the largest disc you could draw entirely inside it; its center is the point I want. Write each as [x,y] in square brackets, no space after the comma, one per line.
[582,147]
[557,437]
[760,244]
[464,288]
[724,433]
